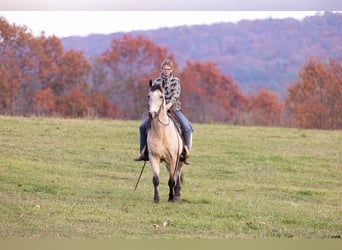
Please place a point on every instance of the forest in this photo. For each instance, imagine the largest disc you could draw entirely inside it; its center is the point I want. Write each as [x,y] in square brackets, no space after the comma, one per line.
[257,54]
[39,76]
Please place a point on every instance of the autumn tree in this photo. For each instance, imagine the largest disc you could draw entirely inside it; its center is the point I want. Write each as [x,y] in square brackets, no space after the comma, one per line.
[15,66]
[100,104]
[208,95]
[64,83]
[38,77]
[263,109]
[314,100]
[44,102]
[59,75]
[130,62]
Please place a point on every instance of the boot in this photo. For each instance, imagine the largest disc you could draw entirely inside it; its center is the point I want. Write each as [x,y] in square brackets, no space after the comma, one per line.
[143,155]
[185,156]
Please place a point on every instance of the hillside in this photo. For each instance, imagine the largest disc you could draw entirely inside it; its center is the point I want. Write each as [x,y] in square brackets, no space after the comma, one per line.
[75,179]
[257,54]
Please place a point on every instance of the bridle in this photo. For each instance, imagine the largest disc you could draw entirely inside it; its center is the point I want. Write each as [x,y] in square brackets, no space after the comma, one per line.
[159,110]
[164,124]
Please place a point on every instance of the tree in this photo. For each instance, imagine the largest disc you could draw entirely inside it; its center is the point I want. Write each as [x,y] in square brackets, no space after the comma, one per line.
[208,95]
[130,62]
[100,106]
[264,109]
[15,66]
[334,93]
[75,102]
[314,100]
[38,77]
[63,76]
[44,102]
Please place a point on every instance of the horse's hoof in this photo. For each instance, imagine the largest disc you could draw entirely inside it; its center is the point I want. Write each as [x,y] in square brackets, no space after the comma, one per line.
[175,199]
[156,201]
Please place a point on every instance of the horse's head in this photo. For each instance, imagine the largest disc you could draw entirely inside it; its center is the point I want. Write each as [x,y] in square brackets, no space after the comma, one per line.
[156,100]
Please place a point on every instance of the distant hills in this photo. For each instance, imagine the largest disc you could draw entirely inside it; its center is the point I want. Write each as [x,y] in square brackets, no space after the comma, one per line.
[258,54]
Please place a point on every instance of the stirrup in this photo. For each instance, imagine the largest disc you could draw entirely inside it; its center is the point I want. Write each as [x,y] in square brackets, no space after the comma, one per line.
[184,157]
[141,158]
[143,155]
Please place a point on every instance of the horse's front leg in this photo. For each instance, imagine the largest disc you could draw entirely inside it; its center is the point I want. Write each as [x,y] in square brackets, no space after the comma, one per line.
[155,179]
[172,188]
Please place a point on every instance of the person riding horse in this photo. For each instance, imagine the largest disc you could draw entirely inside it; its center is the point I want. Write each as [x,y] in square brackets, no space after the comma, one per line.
[172,89]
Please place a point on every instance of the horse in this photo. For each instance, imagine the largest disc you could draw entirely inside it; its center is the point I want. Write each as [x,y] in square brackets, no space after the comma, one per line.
[164,144]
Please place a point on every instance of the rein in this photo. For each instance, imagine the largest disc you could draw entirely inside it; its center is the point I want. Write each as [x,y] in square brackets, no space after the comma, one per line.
[164,124]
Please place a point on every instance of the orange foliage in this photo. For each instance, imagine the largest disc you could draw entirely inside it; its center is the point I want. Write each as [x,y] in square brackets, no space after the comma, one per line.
[44,102]
[208,95]
[314,100]
[75,103]
[265,109]
[15,65]
[130,63]
[100,106]
[38,76]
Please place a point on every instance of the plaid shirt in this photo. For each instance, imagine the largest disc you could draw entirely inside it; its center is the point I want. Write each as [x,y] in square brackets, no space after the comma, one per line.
[172,90]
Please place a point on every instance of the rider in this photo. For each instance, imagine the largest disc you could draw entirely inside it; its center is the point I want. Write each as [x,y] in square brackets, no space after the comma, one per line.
[172,90]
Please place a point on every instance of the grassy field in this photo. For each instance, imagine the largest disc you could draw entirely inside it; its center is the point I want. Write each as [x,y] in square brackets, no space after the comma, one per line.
[75,179]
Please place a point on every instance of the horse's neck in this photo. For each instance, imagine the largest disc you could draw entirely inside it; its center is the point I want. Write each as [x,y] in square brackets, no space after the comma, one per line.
[162,121]
[163,117]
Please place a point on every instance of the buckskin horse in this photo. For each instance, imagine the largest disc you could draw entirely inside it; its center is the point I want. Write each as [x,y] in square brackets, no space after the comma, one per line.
[164,143]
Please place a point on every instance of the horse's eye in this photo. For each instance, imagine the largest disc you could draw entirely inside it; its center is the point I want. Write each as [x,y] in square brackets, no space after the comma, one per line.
[161,97]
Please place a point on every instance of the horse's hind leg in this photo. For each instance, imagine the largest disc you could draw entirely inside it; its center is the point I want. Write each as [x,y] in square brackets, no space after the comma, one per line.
[177,190]
[172,190]
[175,187]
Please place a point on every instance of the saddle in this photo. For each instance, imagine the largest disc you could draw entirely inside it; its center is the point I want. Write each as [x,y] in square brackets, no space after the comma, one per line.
[185,152]
[174,119]
[178,125]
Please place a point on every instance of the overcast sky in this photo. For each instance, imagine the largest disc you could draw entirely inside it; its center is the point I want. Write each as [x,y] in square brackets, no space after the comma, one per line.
[69,23]
[206,5]
[82,17]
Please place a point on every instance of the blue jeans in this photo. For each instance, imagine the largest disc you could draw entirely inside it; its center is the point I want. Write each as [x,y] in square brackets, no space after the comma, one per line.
[186,128]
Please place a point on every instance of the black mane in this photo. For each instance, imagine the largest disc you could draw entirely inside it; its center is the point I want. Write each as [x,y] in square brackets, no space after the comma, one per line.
[156,87]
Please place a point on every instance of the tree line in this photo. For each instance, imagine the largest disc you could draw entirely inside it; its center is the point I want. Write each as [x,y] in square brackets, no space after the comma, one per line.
[258,54]
[38,77]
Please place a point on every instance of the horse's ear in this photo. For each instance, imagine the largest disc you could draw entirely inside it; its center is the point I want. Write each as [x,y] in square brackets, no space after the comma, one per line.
[150,83]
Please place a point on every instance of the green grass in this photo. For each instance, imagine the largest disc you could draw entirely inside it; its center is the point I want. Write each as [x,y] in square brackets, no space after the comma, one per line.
[63,178]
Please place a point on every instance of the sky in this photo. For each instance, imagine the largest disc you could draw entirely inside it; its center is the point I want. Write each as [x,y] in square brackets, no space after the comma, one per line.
[83,17]
[82,23]
[185,5]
